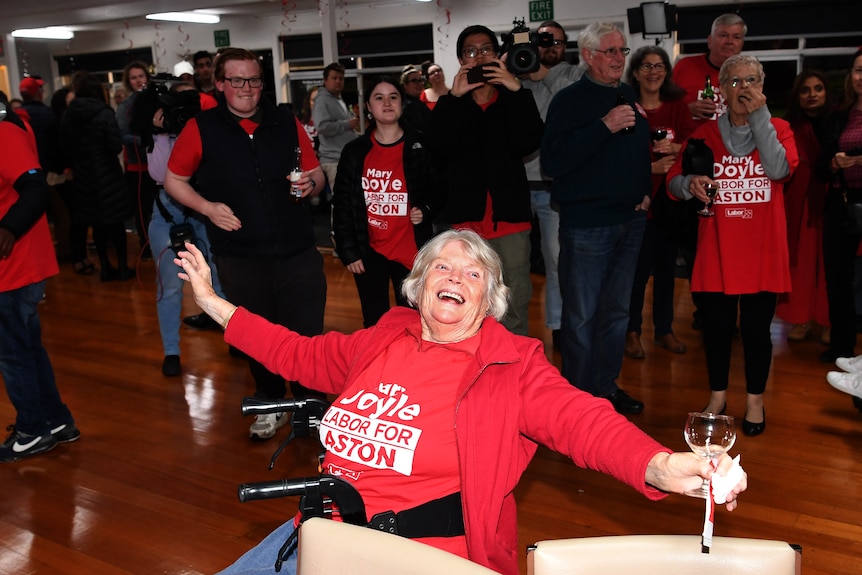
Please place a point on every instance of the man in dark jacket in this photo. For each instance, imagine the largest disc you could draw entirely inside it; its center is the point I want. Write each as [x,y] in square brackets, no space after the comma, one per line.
[262,241]
[481,132]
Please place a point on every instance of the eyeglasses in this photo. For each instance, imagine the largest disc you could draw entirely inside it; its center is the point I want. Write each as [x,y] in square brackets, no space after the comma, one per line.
[238,83]
[614,52]
[416,81]
[650,67]
[472,51]
[749,81]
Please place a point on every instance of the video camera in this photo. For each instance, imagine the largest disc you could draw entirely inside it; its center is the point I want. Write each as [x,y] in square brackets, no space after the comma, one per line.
[178,108]
[522,48]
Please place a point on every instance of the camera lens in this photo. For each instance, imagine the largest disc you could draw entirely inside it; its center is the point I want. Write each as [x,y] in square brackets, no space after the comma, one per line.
[523,59]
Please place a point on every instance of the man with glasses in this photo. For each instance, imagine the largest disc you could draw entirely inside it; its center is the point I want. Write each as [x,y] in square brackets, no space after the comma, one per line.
[597,149]
[481,132]
[553,75]
[725,40]
[262,241]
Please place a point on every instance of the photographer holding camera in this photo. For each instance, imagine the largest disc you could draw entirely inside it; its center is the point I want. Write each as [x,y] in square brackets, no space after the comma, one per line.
[172,223]
[552,73]
[481,132]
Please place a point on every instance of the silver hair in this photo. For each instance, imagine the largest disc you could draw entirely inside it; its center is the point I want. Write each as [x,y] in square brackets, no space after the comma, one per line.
[724,75]
[475,248]
[591,36]
[729,20]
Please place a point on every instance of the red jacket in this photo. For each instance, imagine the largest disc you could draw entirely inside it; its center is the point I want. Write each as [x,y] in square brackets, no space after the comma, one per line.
[513,400]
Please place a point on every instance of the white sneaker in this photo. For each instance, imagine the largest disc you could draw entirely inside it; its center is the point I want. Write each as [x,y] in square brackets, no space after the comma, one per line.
[266,425]
[847,382]
[850,364]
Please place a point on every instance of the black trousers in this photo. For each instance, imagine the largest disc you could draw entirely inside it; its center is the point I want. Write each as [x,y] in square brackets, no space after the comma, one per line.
[719,321]
[289,291]
[373,286]
[839,258]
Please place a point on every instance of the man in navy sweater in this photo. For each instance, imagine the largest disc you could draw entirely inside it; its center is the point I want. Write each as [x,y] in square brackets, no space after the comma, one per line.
[596,147]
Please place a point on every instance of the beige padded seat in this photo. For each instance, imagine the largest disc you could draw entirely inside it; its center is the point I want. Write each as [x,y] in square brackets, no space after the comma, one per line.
[662,555]
[329,547]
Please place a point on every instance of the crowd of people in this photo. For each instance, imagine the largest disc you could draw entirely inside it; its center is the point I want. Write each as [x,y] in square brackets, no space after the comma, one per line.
[434,203]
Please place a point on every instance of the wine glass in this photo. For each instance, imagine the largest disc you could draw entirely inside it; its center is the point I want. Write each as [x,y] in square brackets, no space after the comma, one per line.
[658,133]
[708,435]
[711,191]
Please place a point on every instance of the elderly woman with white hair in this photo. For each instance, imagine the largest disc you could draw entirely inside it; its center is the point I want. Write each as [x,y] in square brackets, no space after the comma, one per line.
[439,409]
[741,260]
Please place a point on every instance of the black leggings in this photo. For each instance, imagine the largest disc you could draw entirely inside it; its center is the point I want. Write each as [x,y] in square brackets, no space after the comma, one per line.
[719,320]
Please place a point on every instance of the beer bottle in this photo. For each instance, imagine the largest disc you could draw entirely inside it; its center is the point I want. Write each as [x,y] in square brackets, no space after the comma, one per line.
[295,190]
[708,93]
[621,101]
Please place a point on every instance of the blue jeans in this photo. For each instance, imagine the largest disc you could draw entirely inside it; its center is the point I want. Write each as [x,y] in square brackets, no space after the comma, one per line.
[549,230]
[597,267]
[24,363]
[260,560]
[169,287]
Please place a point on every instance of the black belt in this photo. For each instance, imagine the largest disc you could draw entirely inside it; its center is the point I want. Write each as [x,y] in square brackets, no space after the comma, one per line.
[438,518]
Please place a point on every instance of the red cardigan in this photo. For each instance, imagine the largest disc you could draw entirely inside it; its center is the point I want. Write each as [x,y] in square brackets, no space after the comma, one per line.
[512,400]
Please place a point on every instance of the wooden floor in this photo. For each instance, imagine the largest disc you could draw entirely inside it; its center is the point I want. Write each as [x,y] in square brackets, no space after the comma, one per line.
[151,486]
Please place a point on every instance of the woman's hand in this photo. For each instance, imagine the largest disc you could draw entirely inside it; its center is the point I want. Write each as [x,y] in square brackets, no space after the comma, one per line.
[662,165]
[697,190]
[751,97]
[356,267]
[681,472]
[843,161]
[197,272]
[416,216]
[663,147]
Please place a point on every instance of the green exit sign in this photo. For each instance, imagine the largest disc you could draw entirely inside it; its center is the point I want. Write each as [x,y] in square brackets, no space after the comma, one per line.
[222,38]
[541,10]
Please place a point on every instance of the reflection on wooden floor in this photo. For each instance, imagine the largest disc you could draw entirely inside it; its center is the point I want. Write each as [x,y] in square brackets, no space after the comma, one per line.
[151,485]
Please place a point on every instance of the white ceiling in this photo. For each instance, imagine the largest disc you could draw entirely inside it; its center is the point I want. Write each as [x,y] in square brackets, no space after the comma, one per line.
[101,14]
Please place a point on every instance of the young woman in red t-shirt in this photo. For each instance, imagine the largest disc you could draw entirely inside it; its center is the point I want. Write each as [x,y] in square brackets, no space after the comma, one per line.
[385,197]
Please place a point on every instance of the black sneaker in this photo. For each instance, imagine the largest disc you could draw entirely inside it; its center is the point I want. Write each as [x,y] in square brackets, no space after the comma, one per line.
[66,433]
[624,403]
[21,445]
[201,321]
[171,366]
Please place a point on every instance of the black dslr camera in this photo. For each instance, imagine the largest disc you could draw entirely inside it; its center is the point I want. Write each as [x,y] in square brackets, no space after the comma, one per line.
[522,48]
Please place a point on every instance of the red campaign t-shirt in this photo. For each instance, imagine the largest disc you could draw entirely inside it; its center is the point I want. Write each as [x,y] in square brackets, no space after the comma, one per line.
[743,248]
[186,155]
[390,232]
[487,227]
[32,258]
[690,74]
[392,433]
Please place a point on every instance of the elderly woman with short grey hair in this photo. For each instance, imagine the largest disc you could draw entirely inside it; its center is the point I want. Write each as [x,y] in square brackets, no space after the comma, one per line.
[439,409]
[741,262]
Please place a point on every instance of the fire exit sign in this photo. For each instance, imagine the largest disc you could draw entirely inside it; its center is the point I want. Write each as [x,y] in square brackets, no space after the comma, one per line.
[222,38]
[541,10]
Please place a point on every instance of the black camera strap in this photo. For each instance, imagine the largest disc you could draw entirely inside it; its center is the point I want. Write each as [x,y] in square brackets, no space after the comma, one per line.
[164,211]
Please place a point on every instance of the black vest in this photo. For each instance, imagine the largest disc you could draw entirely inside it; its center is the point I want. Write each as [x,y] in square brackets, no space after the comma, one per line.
[250,176]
